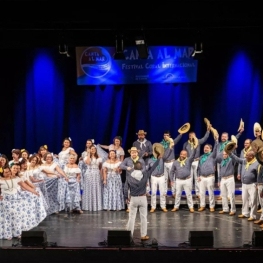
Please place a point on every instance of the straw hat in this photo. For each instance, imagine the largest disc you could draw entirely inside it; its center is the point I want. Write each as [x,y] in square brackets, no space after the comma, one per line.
[185,128]
[234,139]
[207,122]
[158,148]
[215,133]
[257,128]
[133,149]
[256,145]
[141,132]
[241,125]
[230,147]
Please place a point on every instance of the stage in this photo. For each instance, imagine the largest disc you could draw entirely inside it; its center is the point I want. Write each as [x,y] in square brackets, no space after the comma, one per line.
[79,237]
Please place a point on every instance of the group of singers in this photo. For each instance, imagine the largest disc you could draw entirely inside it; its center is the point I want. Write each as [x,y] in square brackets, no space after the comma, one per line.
[34,186]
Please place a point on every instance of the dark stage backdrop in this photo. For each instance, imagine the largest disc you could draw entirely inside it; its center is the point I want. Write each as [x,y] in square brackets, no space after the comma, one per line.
[42,104]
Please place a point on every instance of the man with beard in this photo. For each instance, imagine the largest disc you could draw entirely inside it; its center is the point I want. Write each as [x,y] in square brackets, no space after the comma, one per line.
[145,151]
[248,177]
[206,175]
[168,143]
[221,146]
[189,148]
[181,176]
[144,145]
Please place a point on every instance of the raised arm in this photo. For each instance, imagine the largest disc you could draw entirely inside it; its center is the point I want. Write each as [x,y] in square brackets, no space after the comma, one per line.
[204,139]
[177,139]
[236,159]
[104,146]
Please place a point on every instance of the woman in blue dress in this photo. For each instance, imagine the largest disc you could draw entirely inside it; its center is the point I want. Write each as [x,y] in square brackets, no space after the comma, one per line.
[73,174]
[18,206]
[92,182]
[112,191]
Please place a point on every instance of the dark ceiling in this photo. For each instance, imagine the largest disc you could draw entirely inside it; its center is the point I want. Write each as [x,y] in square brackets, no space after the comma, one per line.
[42,23]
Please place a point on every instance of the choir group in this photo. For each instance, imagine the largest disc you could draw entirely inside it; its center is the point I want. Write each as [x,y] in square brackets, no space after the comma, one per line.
[33,186]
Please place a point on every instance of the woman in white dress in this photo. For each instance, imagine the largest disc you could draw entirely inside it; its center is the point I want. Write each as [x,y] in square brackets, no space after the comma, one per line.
[113,198]
[18,209]
[56,183]
[42,151]
[73,173]
[92,182]
[65,152]
[82,165]
[115,146]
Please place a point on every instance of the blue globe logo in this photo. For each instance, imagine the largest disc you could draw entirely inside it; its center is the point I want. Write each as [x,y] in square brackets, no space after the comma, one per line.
[95,62]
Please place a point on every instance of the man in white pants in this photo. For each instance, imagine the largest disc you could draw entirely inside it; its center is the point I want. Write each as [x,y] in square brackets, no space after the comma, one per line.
[189,147]
[136,181]
[180,175]
[158,178]
[248,177]
[226,182]
[206,176]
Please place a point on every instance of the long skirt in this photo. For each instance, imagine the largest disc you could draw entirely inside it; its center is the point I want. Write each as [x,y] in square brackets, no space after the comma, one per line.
[20,212]
[92,190]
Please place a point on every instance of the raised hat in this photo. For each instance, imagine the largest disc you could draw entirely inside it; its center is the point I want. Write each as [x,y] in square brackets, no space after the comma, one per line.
[256,145]
[157,148]
[241,125]
[230,147]
[185,128]
[256,128]
[207,122]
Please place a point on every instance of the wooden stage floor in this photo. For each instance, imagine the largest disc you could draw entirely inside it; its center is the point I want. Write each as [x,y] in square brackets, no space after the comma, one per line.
[171,229]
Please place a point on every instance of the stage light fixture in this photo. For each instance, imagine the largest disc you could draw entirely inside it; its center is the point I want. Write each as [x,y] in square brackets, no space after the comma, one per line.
[119,47]
[198,52]
[141,47]
[63,49]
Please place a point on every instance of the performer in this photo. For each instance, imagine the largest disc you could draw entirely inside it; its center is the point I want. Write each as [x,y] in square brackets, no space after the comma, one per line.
[166,142]
[221,147]
[226,183]
[157,177]
[17,208]
[189,147]
[113,198]
[117,141]
[65,152]
[128,163]
[73,174]
[92,182]
[136,184]
[259,157]
[42,151]
[248,177]
[181,176]
[145,147]
[206,175]
[16,154]
[56,183]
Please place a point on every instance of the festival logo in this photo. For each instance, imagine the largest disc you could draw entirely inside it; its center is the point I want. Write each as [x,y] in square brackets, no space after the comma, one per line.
[95,62]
